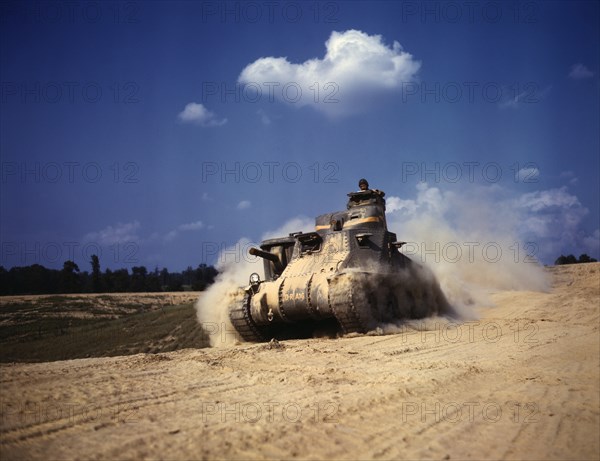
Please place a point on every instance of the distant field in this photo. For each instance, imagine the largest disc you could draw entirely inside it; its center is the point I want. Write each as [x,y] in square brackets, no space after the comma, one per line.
[59,327]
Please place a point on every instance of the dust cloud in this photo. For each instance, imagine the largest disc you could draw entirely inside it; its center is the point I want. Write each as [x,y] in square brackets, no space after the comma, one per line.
[465,244]
[235,266]
[470,240]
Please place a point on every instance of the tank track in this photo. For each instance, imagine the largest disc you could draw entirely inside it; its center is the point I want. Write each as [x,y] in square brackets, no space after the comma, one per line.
[243,323]
[346,305]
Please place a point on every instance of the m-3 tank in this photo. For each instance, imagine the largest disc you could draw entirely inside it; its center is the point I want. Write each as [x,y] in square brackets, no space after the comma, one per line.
[348,273]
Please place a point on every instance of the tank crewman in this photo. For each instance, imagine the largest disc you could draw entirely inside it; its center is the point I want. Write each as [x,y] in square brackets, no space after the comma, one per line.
[363,185]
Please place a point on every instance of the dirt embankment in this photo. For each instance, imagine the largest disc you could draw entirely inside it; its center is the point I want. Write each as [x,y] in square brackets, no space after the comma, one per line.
[21,308]
[522,382]
[61,327]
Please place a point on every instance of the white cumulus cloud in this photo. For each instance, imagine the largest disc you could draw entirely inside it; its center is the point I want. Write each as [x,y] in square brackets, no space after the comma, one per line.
[297,224]
[243,205]
[199,115]
[169,236]
[552,218]
[119,233]
[570,177]
[580,71]
[549,199]
[546,222]
[592,242]
[355,66]
[192,226]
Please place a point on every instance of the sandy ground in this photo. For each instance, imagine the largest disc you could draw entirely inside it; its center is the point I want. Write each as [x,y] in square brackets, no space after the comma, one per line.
[522,382]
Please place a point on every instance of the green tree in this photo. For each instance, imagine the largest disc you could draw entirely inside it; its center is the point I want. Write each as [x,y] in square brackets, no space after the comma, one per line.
[96,274]
[108,281]
[138,278]
[571,259]
[69,278]
[164,279]
[562,259]
[584,258]
[121,280]
[204,276]
[4,281]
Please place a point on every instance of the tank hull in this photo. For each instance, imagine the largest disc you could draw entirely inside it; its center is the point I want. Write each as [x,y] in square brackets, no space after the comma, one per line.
[349,273]
[358,301]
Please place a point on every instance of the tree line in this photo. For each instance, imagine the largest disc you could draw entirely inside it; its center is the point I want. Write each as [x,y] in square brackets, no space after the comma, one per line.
[571,259]
[36,279]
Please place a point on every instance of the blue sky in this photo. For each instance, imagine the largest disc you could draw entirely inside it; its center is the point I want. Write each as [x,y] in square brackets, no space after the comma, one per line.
[157,133]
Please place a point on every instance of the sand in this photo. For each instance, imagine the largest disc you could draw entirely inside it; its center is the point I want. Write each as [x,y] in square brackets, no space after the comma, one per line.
[522,382]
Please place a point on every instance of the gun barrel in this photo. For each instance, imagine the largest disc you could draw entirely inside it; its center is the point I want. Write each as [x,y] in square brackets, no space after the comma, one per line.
[268,256]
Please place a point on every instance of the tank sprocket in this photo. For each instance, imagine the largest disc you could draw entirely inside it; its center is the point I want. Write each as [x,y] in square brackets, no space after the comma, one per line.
[242,321]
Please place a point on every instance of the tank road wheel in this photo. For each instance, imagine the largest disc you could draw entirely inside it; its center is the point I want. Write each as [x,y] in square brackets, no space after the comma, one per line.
[242,321]
[353,304]
[367,306]
[340,300]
